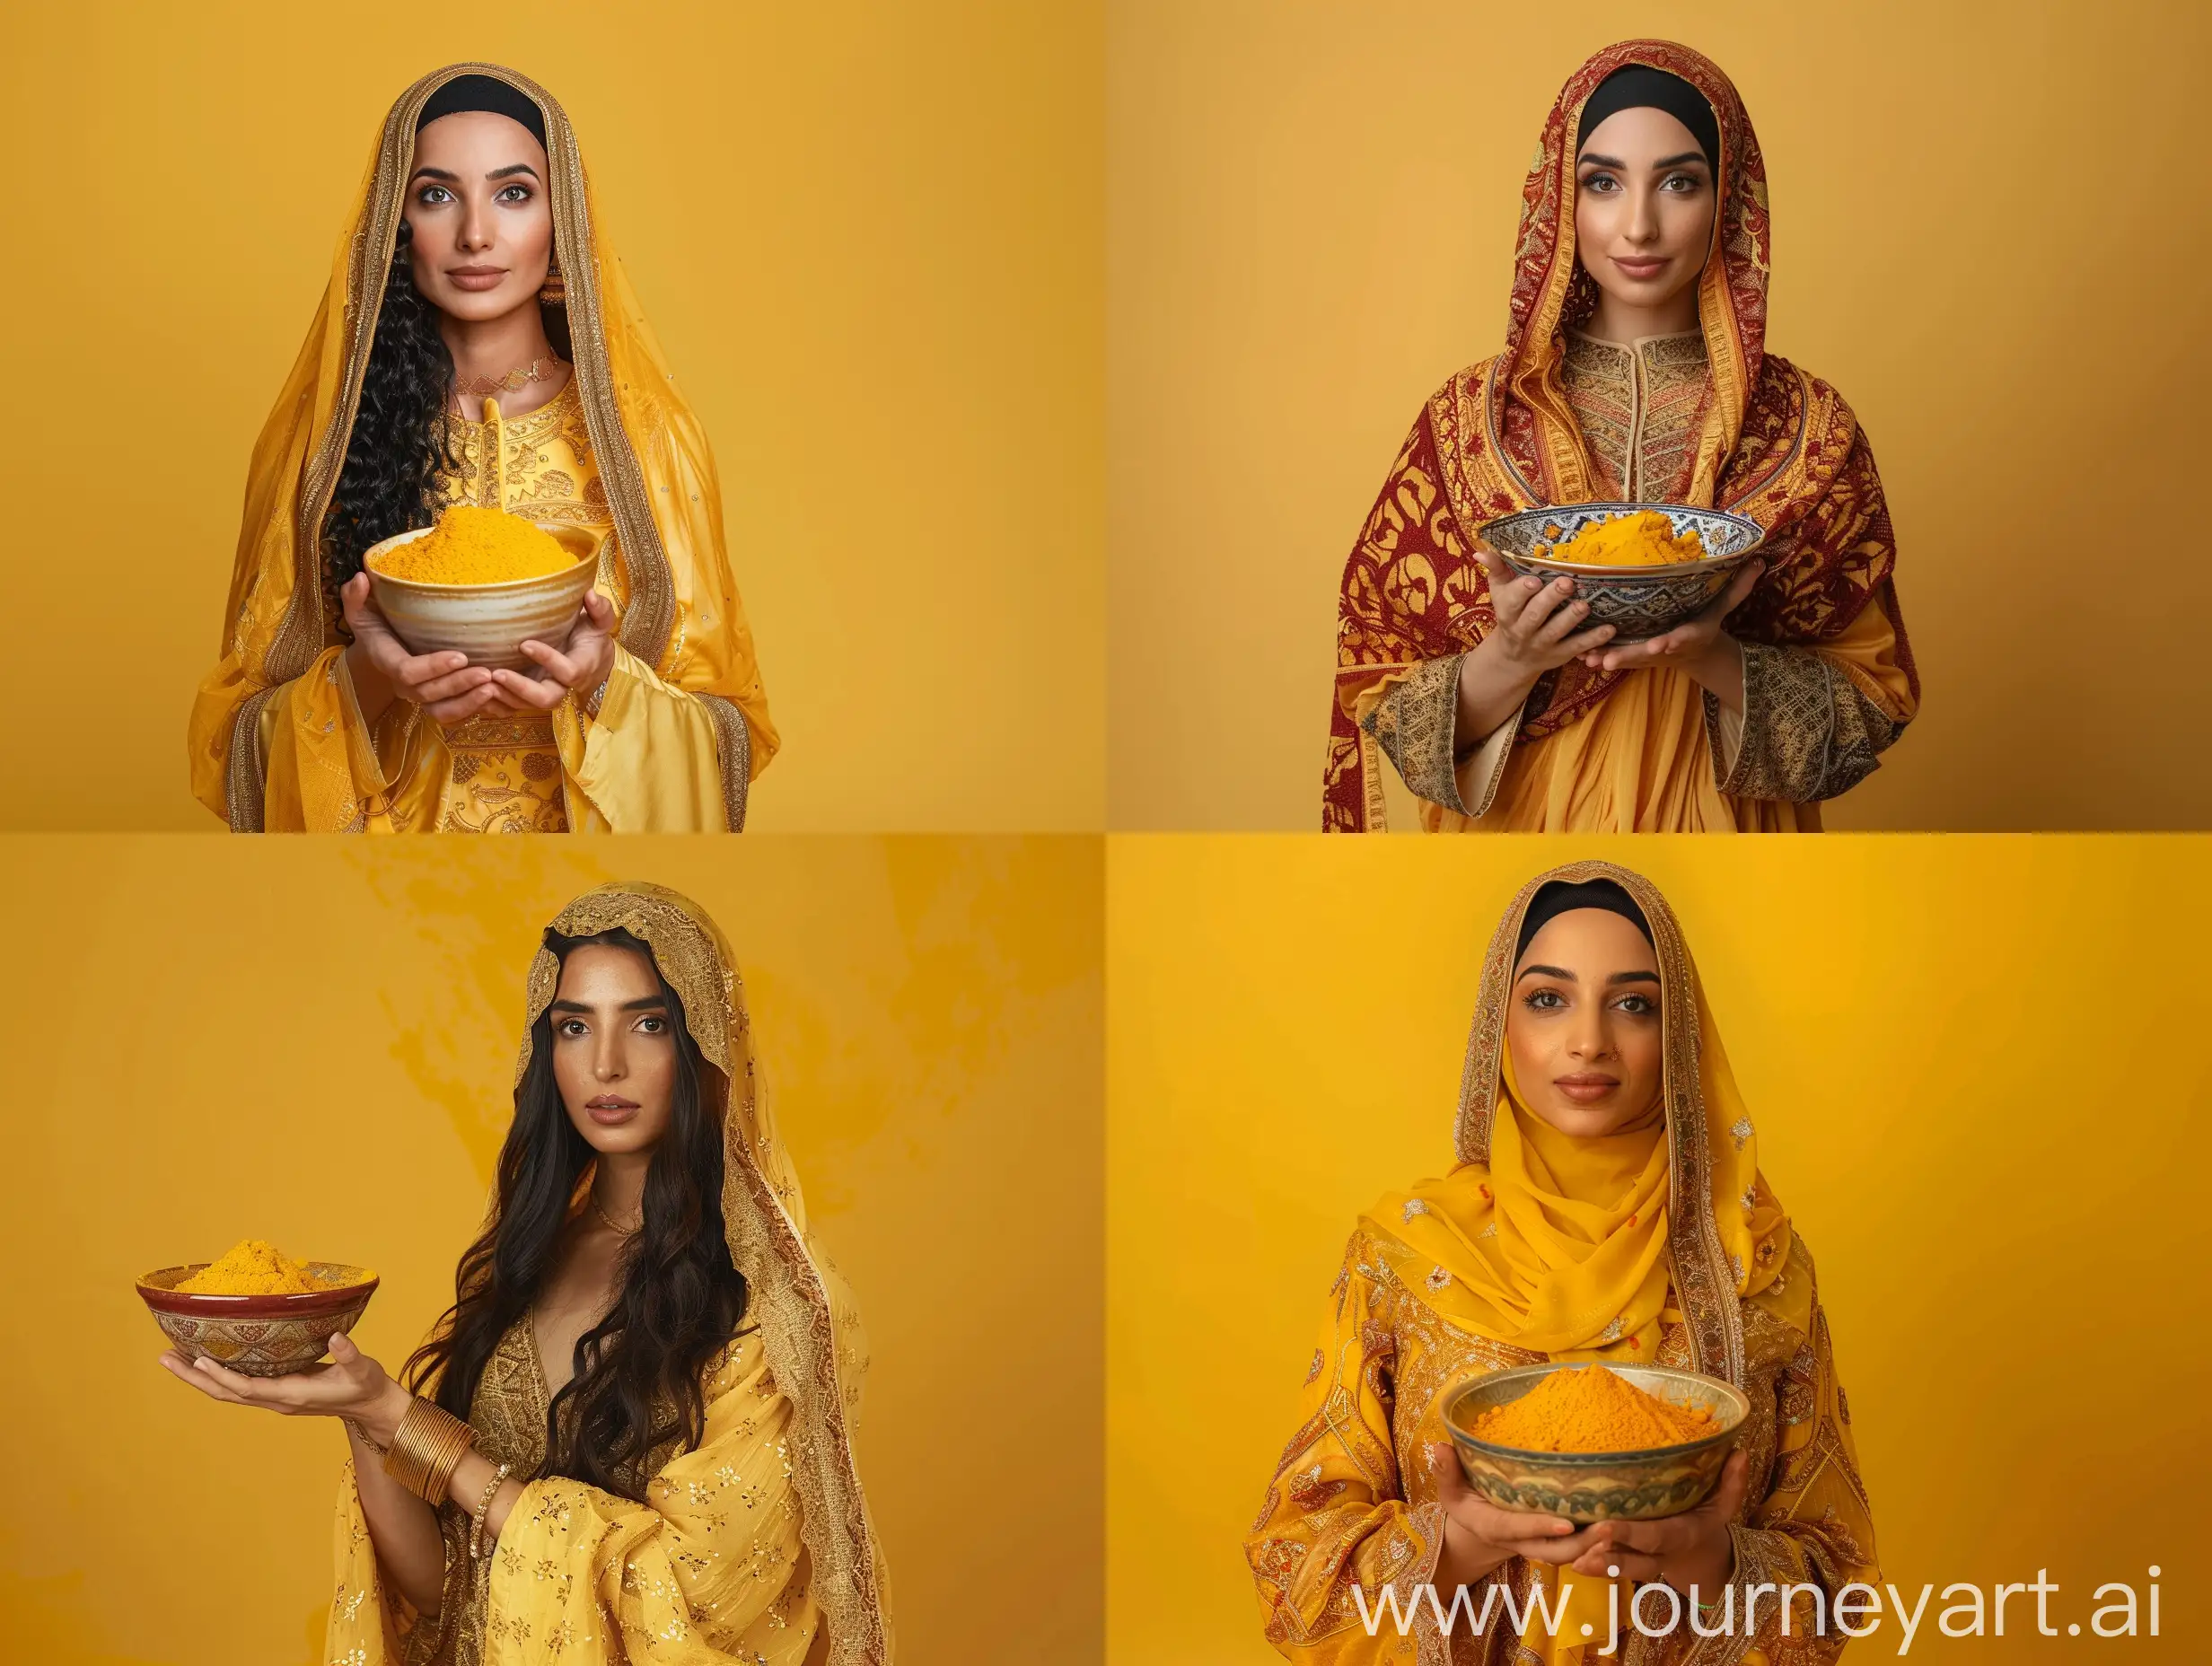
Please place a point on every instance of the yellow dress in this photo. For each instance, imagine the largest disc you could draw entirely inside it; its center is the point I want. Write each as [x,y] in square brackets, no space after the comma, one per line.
[276,739]
[713,1560]
[1662,1247]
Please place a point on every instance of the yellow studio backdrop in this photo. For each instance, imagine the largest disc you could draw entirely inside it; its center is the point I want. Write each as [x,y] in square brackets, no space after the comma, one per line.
[1978,1073]
[868,236]
[217,1039]
[1977,238]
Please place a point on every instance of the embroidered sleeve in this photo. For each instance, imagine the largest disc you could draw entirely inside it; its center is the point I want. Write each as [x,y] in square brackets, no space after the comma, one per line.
[1808,730]
[1336,1532]
[1811,1536]
[1414,726]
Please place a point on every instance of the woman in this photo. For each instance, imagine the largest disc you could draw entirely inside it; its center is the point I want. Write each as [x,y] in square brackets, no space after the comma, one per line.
[631,1431]
[479,344]
[1607,1206]
[1634,370]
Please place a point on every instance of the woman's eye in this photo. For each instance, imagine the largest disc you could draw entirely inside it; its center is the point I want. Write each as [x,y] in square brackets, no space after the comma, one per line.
[1637,1004]
[1681,183]
[1544,1000]
[1599,182]
[515,194]
[571,1027]
[433,197]
[653,1026]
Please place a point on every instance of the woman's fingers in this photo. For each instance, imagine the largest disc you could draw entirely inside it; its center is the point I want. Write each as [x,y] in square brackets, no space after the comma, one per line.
[1746,578]
[599,610]
[1539,606]
[466,705]
[1589,641]
[443,677]
[558,667]
[1727,1498]
[527,690]
[1566,621]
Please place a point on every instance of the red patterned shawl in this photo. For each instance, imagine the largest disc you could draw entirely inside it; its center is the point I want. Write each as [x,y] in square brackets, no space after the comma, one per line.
[1775,443]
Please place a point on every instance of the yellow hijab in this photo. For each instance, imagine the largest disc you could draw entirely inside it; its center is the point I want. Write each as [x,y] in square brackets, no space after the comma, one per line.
[1568,1247]
[678,604]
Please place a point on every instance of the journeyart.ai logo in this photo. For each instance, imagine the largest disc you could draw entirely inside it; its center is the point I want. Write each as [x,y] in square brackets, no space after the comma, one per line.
[2021,1609]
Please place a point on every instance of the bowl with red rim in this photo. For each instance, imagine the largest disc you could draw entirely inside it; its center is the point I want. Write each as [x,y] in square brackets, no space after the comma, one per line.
[269,1336]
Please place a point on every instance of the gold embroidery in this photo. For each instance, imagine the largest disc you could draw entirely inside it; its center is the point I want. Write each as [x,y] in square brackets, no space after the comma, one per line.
[1414,726]
[1640,408]
[1809,731]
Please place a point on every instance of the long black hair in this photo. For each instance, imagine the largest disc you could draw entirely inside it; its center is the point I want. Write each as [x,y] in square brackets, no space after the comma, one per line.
[636,1373]
[399,446]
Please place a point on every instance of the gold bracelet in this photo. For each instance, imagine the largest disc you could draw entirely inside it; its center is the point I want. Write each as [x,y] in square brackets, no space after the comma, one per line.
[477,1546]
[429,1445]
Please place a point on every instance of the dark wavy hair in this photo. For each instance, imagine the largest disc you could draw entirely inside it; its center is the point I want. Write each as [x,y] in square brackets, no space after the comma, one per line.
[636,1372]
[399,446]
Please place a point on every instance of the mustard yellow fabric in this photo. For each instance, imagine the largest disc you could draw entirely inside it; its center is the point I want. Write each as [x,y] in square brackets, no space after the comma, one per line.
[744,1548]
[276,738]
[711,1568]
[1539,1246]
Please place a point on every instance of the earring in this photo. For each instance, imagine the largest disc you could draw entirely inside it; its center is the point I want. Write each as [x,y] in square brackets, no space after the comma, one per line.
[554,291]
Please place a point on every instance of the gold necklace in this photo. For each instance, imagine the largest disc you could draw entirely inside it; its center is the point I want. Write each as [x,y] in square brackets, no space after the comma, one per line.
[537,370]
[619,1230]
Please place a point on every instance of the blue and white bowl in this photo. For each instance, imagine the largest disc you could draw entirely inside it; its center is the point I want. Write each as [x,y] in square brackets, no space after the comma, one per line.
[1638,602]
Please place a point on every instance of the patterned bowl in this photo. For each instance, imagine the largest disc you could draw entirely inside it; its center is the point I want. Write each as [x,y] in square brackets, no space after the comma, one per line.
[487,622]
[1638,602]
[1596,1486]
[259,1336]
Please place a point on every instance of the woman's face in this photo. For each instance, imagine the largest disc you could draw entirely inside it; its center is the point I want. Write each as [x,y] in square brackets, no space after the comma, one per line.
[614,1048]
[480,214]
[1644,205]
[1583,1024]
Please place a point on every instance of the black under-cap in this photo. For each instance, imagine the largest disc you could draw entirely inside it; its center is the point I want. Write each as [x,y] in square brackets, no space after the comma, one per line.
[1560,897]
[1639,86]
[484,92]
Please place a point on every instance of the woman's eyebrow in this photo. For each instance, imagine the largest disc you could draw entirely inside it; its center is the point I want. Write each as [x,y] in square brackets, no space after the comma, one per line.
[1676,161]
[1633,978]
[1548,972]
[1602,161]
[511,170]
[427,172]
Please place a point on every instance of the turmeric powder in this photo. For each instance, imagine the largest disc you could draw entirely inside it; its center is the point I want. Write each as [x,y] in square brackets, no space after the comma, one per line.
[253,1267]
[1643,540]
[1588,1408]
[477,546]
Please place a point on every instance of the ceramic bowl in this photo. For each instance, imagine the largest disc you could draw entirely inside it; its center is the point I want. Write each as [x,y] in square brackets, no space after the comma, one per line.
[259,1336]
[487,622]
[1638,602]
[1596,1486]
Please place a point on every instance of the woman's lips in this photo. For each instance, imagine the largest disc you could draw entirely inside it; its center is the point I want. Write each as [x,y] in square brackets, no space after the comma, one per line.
[478,276]
[1640,269]
[610,1113]
[1586,1089]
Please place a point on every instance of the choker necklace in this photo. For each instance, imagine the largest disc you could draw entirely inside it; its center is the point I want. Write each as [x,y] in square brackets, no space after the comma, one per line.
[537,370]
[620,1230]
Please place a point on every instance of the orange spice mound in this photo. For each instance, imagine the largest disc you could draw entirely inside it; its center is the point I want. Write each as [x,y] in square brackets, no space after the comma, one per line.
[253,1267]
[1589,1409]
[1643,540]
[477,546]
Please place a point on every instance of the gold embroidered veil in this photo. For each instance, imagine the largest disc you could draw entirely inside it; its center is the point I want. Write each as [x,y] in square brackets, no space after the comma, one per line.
[679,611]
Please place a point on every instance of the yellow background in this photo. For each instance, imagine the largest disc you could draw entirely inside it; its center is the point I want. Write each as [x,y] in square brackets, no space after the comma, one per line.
[211,1039]
[867,234]
[1980,237]
[1979,1077]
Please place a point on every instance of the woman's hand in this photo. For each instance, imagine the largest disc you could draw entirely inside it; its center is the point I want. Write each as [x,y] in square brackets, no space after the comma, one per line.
[1539,629]
[352,1386]
[1686,1550]
[444,685]
[1480,1538]
[1699,646]
[590,657]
